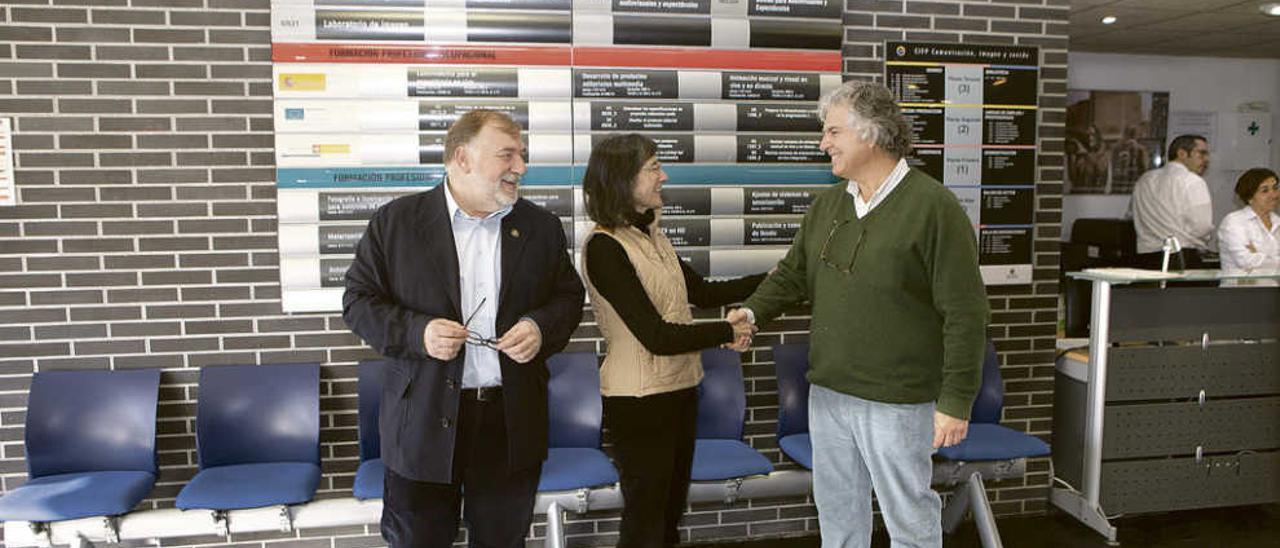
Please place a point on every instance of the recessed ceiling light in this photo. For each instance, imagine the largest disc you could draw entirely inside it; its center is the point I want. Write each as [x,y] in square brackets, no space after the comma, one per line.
[1270,8]
[1108,19]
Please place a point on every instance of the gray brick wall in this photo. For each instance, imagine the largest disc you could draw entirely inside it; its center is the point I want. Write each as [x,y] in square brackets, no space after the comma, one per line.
[146,232]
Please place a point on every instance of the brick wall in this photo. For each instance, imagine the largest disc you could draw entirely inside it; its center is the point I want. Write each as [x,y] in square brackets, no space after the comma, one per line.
[146,232]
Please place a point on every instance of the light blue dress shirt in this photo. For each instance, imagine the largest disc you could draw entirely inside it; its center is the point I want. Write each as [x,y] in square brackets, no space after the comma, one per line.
[479,246]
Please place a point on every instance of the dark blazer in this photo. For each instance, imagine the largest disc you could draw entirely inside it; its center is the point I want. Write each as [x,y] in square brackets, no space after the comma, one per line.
[405,274]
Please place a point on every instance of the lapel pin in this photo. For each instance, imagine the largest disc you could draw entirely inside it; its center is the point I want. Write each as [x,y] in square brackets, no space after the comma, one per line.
[515,233]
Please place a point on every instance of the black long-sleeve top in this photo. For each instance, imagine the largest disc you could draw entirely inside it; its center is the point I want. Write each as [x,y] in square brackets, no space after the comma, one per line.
[613,275]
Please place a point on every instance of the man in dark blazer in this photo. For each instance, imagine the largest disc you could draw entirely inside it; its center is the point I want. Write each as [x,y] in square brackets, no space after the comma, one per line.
[467,289]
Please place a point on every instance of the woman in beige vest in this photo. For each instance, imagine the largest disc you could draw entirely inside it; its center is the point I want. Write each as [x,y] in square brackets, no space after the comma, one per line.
[641,293]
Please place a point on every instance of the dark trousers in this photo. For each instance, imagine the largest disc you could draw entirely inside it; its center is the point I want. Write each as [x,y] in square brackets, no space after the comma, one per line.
[653,440]
[499,501]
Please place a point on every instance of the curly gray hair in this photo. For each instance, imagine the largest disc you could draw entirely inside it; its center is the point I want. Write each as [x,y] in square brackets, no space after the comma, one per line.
[873,113]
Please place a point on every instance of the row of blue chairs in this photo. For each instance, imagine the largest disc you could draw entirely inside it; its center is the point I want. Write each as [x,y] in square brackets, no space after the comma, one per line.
[91,435]
[91,444]
[91,441]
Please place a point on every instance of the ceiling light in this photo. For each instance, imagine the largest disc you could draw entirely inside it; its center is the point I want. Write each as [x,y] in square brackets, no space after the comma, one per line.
[1108,19]
[1270,8]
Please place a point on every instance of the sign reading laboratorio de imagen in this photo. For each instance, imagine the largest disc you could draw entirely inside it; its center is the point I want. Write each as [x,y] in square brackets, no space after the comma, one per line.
[973,116]
[366,89]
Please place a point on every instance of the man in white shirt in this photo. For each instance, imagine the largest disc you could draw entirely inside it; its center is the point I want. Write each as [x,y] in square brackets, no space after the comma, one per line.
[1174,201]
[467,289]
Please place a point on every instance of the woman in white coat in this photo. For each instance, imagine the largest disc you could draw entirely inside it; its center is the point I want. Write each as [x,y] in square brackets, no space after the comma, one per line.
[1248,237]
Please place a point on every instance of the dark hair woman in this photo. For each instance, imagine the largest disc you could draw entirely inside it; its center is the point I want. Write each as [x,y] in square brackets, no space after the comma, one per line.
[1247,237]
[641,293]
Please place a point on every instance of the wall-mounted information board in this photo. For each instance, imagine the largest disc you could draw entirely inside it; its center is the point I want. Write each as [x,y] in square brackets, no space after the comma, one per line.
[973,114]
[365,89]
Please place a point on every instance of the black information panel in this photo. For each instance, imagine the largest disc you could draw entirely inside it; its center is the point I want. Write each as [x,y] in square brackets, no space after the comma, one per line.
[774,86]
[779,200]
[435,116]
[627,84]
[642,116]
[973,116]
[352,206]
[686,201]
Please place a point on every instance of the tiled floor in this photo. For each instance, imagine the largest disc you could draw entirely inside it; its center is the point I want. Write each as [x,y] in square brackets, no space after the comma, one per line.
[1242,527]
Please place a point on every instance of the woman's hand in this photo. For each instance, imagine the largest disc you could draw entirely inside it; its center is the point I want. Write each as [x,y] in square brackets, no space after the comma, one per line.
[743,330]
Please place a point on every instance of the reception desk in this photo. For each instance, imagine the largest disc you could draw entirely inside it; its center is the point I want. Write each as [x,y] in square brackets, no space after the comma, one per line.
[1175,403]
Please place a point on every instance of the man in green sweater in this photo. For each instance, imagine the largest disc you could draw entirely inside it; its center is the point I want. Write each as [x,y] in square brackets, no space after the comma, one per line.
[889,264]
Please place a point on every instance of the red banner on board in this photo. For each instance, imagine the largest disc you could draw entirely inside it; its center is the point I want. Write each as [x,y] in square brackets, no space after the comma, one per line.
[410,54]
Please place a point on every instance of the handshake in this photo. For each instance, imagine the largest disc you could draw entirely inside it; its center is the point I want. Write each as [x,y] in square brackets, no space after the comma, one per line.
[743,329]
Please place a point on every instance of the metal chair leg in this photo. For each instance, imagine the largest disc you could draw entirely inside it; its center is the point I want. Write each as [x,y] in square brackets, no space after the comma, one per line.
[42,532]
[972,494]
[555,526]
[956,508]
[982,515]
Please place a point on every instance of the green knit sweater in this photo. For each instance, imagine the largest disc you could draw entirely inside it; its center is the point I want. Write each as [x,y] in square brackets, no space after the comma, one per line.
[899,307]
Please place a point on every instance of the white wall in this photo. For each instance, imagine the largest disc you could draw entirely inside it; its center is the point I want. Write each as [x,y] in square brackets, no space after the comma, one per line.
[1193,83]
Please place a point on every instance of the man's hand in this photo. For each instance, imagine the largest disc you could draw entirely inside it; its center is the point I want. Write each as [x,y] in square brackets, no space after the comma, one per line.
[443,338]
[948,430]
[522,342]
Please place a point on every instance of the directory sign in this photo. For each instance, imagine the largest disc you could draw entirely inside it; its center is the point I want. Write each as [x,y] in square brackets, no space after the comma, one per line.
[973,116]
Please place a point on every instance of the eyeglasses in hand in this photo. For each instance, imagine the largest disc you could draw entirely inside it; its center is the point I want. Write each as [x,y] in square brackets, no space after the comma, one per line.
[474,338]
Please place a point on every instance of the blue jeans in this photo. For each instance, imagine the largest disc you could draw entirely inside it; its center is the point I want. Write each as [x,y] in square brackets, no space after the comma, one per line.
[860,445]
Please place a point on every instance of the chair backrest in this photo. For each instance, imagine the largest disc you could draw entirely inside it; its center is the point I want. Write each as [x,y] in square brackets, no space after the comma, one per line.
[574,406]
[89,421]
[369,388]
[722,400]
[258,413]
[990,400]
[791,362]
[1115,239]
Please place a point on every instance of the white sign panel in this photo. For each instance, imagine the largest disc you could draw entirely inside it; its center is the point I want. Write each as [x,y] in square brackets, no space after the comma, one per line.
[8,194]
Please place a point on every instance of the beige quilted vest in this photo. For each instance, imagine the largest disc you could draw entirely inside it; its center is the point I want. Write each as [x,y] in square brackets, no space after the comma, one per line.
[629,369]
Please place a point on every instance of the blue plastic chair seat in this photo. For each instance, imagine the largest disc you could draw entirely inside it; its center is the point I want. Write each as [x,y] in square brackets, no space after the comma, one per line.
[994,442]
[77,495]
[369,479]
[575,468]
[720,459]
[799,447]
[250,486]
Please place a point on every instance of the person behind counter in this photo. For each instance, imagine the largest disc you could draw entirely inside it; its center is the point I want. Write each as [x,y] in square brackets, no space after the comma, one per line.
[1247,237]
[641,292]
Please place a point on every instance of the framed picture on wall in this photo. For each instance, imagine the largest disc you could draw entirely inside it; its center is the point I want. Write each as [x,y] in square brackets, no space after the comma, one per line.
[1113,137]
